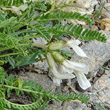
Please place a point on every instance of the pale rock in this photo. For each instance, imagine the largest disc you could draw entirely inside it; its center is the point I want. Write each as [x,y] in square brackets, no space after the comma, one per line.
[101,89]
[74,105]
[41,79]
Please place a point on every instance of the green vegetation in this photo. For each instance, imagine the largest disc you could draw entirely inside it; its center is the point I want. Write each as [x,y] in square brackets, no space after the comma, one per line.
[18,49]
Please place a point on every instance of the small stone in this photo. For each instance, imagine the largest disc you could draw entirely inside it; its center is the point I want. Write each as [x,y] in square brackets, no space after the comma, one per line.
[55,106]
[41,65]
[74,105]
[101,89]
[94,28]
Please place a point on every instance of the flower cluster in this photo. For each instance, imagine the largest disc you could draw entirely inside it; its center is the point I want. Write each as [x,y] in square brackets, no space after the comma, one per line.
[62,68]
[66,68]
[16,10]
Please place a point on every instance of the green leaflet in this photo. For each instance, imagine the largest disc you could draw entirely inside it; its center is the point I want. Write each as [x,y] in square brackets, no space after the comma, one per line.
[7,22]
[37,105]
[11,61]
[42,31]
[39,95]
[9,105]
[30,59]
[61,15]
[77,32]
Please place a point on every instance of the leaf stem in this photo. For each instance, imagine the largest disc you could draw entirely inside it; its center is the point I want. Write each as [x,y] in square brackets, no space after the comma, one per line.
[36,45]
[26,90]
[5,55]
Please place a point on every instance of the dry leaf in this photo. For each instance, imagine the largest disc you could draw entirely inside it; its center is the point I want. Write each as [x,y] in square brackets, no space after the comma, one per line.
[104,24]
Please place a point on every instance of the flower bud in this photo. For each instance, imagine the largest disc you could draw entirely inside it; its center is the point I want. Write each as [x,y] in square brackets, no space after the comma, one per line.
[58,57]
[56,45]
[50,60]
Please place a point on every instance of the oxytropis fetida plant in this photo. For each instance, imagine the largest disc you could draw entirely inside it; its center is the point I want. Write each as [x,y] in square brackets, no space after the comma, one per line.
[33,30]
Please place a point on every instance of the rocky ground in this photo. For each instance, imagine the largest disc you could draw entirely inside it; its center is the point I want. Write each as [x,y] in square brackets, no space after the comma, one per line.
[99,62]
[99,93]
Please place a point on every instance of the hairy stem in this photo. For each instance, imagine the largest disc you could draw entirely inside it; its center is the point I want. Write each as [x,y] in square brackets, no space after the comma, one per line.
[5,55]
[34,45]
